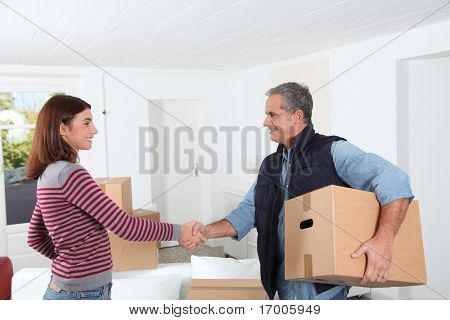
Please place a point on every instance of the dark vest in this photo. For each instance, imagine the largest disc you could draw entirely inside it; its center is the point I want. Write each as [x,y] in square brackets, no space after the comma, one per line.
[312,168]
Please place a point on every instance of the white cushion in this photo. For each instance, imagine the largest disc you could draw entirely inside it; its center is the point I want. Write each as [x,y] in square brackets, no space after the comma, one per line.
[162,287]
[224,268]
[31,283]
[183,269]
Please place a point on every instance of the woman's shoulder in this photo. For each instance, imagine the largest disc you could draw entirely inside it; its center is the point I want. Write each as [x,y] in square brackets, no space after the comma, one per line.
[57,173]
[62,165]
[68,168]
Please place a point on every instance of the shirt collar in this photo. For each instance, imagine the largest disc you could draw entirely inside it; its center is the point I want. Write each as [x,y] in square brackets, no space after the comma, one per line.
[286,153]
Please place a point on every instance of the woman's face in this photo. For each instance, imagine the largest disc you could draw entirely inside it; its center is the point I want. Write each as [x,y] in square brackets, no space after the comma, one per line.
[80,132]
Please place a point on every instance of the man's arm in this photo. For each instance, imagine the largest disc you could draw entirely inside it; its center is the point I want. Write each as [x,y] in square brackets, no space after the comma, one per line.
[379,249]
[219,229]
[370,172]
[391,217]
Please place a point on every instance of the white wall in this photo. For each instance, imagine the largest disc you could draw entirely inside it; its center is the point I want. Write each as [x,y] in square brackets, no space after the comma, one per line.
[429,154]
[363,99]
[128,111]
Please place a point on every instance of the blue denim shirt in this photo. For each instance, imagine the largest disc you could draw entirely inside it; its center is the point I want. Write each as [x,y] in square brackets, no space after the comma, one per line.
[360,170]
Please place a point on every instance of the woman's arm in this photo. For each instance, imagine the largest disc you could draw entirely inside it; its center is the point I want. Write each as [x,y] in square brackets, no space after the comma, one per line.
[82,191]
[38,237]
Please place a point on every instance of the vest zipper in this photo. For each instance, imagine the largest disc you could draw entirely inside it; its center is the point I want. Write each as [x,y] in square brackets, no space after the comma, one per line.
[270,237]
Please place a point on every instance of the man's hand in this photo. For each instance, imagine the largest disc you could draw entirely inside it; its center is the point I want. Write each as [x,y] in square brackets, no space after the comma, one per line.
[199,228]
[379,255]
[218,229]
[188,239]
[380,248]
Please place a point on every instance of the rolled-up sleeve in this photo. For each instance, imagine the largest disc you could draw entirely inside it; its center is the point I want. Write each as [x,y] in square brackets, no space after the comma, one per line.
[243,217]
[369,172]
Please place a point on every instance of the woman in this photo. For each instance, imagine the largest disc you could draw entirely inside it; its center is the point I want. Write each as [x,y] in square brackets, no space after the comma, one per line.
[72,213]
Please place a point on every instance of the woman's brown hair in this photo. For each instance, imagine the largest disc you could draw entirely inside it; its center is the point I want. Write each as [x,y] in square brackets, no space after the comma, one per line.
[48,145]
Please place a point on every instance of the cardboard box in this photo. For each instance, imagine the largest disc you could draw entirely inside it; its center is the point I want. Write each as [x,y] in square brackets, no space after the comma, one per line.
[325,226]
[129,255]
[226,289]
[119,190]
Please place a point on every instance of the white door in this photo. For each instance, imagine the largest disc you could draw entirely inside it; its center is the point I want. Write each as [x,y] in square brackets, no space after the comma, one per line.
[429,159]
[173,160]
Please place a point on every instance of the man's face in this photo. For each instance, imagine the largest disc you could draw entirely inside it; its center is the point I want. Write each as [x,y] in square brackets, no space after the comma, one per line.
[281,123]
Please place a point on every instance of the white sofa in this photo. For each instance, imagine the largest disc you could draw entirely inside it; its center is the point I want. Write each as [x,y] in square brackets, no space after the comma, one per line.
[168,282]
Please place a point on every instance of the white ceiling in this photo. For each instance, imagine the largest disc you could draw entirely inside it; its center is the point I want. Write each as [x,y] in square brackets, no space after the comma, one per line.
[195,34]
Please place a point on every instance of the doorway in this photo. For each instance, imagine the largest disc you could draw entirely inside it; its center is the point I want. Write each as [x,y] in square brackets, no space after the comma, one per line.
[424,152]
[172,154]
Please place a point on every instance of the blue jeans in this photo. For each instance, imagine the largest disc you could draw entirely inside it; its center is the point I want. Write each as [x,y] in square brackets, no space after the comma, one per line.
[308,292]
[101,293]
[341,295]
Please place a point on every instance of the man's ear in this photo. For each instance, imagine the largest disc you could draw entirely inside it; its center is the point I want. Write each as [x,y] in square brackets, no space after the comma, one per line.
[299,115]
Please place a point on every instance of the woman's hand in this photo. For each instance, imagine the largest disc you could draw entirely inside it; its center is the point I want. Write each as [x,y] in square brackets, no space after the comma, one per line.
[187,237]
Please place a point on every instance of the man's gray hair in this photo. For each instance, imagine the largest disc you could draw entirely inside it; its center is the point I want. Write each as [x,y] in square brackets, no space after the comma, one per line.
[296,96]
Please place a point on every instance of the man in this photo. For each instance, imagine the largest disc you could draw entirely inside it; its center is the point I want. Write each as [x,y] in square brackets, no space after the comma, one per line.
[306,161]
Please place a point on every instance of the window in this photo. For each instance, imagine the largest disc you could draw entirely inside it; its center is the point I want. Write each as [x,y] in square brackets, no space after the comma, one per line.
[18,114]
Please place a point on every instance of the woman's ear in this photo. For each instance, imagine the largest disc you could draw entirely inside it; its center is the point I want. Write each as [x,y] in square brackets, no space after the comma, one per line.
[63,130]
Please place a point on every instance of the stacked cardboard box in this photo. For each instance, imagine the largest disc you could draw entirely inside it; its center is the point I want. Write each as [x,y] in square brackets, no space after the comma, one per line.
[119,190]
[226,289]
[128,255]
[324,227]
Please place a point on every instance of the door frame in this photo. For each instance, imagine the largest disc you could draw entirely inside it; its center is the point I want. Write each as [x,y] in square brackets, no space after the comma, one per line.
[70,84]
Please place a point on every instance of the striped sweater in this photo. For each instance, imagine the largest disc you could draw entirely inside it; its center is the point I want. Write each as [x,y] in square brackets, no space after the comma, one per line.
[69,225]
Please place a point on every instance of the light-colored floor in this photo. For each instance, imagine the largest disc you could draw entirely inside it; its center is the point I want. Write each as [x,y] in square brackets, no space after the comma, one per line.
[179,254]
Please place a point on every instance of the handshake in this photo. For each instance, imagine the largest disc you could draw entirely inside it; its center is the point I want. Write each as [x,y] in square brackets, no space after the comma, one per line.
[193,234]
